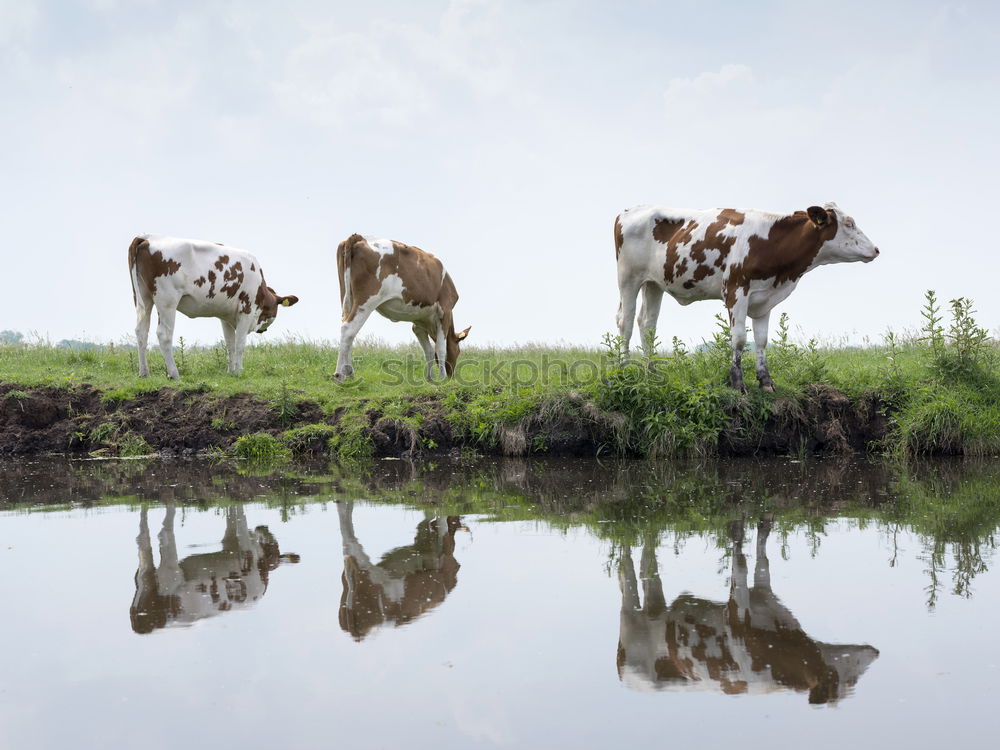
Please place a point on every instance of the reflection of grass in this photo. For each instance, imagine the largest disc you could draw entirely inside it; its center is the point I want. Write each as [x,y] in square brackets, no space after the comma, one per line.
[952,507]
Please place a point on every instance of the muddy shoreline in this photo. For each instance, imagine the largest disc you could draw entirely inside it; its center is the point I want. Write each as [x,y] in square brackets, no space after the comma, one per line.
[82,421]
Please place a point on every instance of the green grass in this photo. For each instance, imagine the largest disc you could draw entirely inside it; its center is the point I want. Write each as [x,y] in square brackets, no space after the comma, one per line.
[940,386]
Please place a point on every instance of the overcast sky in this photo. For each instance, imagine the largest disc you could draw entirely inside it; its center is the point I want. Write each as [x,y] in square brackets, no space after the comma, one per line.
[502,136]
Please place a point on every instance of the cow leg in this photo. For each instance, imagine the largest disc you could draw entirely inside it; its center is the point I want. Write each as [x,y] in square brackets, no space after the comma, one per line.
[628,291]
[143,314]
[760,345]
[348,331]
[442,350]
[229,334]
[652,296]
[239,344]
[738,336]
[425,344]
[165,316]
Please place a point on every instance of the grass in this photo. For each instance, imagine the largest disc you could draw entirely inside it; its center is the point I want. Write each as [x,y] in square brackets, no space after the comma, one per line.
[940,387]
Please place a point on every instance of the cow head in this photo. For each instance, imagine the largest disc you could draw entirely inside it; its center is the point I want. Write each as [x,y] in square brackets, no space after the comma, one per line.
[268,302]
[844,243]
[451,355]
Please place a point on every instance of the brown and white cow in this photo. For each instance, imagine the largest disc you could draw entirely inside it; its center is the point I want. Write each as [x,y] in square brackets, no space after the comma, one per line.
[202,280]
[750,259]
[183,591]
[749,644]
[402,283]
[406,583]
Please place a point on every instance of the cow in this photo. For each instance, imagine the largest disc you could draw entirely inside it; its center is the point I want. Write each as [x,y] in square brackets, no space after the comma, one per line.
[182,591]
[406,583]
[750,259]
[202,280]
[402,283]
[749,644]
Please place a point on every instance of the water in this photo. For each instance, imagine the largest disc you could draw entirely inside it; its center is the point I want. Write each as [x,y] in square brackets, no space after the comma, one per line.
[498,604]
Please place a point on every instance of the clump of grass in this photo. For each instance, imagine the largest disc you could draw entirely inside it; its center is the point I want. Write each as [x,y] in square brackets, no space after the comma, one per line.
[132,444]
[285,404]
[310,439]
[671,408]
[259,447]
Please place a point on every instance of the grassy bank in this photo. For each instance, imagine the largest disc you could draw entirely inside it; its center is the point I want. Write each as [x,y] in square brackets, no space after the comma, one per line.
[936,391]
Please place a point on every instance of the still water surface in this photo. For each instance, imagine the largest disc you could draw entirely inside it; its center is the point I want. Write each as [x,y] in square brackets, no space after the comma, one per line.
[513,604]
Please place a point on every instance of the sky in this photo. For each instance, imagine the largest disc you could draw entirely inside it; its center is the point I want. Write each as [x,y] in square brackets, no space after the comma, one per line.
[504,136]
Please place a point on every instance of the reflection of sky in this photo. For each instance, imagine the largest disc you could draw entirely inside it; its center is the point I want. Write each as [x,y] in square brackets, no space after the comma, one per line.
[491,130]
[520,653]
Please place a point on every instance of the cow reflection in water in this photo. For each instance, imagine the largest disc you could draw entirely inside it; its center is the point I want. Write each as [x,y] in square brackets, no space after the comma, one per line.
[407,582]
[180,592]
[750,644]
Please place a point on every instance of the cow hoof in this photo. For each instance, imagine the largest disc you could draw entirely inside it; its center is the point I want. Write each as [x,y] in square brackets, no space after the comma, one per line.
[768,387]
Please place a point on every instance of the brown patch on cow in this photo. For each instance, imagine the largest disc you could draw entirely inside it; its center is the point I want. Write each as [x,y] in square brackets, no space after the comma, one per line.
[702,272]
[714,240]
[221,262]
[211,283]
[791,246]
[789,249]
[252,269]
[619,238]
[233,278]
[148,266]
[672,234]
[244,303]
[199,282]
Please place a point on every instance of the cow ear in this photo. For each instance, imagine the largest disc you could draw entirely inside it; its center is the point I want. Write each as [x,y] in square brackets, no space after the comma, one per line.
[818,216]
[288,301]
[461,336]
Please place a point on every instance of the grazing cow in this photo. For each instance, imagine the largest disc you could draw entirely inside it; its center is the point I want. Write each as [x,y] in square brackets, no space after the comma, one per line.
[750,644]
[202,280]
[407,582]
[180,592]
[402,283]
[751,260]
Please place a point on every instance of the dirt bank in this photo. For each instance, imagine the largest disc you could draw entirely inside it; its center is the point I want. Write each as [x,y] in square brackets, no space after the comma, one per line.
[81,421]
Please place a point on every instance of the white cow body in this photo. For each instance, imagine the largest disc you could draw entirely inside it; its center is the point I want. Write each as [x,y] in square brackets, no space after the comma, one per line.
[750,259]
[200,279]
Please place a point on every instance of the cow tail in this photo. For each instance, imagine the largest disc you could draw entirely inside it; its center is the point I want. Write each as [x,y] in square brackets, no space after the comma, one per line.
[133,268]
[619,238]
[345,250]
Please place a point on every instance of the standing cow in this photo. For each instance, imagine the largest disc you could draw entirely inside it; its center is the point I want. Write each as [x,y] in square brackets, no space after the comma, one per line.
[401,283]
[750,259]
[202,280]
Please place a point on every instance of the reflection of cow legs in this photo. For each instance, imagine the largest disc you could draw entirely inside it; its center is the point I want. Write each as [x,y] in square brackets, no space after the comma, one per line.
[652,603]
[169,575]
[151,606]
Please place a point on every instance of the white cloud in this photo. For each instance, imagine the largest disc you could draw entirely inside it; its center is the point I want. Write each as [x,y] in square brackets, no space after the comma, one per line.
[710,89]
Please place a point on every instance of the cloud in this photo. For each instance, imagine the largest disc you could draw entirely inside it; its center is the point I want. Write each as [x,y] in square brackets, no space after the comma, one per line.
[709,89]
[392,74]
